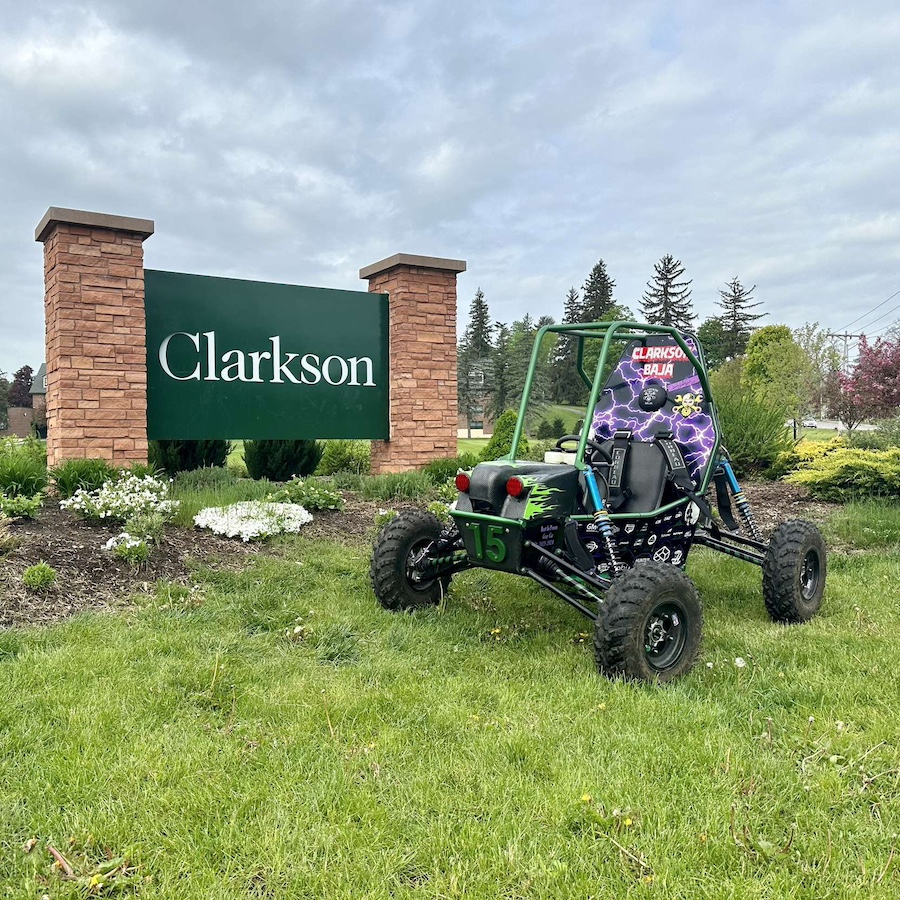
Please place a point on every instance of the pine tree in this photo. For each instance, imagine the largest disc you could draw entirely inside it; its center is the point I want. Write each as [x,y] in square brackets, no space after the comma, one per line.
[565,384]
[667,301]
[598,297]
[473,360]
[737,320]
[500,380]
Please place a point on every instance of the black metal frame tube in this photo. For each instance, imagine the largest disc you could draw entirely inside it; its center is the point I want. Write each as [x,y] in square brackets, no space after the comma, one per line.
[543,582]
[563,563]
[708,541]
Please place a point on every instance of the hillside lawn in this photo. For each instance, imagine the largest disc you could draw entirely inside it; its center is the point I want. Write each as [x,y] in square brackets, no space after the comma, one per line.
[272,732]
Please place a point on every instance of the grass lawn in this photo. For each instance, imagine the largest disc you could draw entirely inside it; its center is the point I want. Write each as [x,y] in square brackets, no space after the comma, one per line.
[471,445]
[274,733]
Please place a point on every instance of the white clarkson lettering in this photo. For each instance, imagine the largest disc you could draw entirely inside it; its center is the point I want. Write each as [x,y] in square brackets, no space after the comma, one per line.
[232,366]
[164,361]
[279,368]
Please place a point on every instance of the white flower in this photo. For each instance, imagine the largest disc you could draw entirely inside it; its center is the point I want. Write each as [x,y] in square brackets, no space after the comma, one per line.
[740,662]
[253,519]
[709,665]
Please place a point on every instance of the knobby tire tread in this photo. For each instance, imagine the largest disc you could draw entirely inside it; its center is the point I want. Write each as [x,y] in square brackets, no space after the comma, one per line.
[781,591]
[387,571]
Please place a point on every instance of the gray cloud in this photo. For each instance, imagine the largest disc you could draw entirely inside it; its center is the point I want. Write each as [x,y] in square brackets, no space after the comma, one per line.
[297,143]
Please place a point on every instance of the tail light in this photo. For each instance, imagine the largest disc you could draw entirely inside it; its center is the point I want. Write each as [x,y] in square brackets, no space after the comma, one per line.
[514,487]
[463,482]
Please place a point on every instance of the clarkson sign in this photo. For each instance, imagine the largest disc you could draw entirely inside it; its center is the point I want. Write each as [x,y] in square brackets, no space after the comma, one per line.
[247,359]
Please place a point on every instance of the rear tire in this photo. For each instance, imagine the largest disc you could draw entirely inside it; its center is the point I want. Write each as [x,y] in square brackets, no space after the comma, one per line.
[649,625]
[398,545]
[794,572]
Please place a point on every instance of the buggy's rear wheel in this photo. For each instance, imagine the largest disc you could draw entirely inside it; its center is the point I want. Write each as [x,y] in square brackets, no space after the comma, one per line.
[649,625]
[794,572]
[399,546]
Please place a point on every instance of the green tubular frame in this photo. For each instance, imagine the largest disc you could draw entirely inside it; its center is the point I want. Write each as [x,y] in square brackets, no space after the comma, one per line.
[609,331]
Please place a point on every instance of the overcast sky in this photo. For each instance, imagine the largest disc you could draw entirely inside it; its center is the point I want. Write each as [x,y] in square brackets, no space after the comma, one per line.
[298,142]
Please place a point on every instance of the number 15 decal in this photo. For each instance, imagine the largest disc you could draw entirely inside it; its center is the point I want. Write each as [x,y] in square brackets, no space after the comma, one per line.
[489,544]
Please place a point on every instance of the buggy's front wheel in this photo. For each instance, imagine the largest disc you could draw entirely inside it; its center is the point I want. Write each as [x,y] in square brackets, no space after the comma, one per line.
[649,625]
[398,549]
[794,572]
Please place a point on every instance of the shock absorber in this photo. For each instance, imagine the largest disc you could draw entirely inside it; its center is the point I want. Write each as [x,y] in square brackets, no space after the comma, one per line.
[604,525]
[741,501]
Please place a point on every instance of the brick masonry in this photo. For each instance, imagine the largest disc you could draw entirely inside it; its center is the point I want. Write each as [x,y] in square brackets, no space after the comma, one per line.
[423,359]
[95,340]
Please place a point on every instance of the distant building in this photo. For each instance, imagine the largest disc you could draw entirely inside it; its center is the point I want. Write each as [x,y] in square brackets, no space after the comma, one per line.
[39,388]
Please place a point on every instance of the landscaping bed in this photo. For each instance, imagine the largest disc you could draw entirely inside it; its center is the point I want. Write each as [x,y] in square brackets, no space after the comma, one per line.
[89,577]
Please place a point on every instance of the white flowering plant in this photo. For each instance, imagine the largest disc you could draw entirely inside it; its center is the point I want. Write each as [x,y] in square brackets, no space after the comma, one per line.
[130,548]
[253,519]
[129,495]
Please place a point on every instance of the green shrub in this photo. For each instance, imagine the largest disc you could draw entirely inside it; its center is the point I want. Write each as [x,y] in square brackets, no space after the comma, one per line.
[88,474]
[802,454]
[441,470]
[281,460]
[397,486]
[544,430]
[207,477]
[501,440]
[753,430]
[23,467]
[40,577]
[345,456]
[888,430]
[851,474]
[185,456]
[557,428]
[19,506]
[310,494]
[147,526]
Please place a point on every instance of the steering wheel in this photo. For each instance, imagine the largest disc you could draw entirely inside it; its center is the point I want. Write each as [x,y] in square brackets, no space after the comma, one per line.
[596,446]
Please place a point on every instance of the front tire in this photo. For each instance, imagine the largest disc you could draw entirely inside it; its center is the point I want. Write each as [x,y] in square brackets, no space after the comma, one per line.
[649,625]
[400,543]
[794,572]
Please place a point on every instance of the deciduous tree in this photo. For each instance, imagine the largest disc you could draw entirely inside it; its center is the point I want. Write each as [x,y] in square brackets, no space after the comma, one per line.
[20,390]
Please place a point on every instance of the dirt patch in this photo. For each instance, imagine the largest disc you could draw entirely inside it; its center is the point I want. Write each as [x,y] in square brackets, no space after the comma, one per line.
[90,577]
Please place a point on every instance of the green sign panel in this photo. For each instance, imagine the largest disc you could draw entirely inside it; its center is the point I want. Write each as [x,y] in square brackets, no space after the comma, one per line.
[247,359]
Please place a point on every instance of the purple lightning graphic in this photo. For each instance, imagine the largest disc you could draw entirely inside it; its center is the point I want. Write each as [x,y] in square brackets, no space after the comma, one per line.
[618,410]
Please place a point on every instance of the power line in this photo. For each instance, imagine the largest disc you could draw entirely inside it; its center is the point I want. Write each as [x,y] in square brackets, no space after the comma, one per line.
[892,310]
[871,311]
[846,338]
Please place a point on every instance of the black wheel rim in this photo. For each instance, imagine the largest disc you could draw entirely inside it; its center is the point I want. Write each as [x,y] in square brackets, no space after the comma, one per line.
[665,634]
[413,576]
[809,575]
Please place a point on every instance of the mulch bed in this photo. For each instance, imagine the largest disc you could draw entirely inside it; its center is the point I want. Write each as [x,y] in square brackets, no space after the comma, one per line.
[91,578]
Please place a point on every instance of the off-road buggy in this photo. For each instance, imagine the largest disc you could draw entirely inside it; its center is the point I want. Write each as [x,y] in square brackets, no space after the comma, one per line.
[609,529]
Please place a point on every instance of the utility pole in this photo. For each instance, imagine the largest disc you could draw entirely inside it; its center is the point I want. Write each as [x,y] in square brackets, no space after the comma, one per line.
[846,338]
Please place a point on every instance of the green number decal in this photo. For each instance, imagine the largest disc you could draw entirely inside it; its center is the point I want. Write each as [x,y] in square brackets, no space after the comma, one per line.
[496,548]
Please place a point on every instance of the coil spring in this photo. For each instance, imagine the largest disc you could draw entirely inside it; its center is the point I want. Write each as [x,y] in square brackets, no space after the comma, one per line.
[604,531]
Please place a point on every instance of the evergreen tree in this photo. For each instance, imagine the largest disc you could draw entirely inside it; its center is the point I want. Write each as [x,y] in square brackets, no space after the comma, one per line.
[598,299]
[473,360]
[500,383]
[4,400]
[20,391]
[565,385]
[737,320]
[667,301]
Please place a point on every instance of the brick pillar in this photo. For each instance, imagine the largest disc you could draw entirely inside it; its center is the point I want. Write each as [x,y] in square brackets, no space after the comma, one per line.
[96,335]
[422,307]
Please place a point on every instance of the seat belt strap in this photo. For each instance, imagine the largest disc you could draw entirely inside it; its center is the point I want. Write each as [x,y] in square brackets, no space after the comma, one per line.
[678,471]
[723,501]
[615,478]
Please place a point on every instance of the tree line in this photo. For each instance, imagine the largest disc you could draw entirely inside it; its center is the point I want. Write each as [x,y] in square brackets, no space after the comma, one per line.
[797,370]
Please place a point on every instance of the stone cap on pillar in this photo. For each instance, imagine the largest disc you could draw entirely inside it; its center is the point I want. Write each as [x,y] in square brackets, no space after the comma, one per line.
[415,262]
[57,215]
